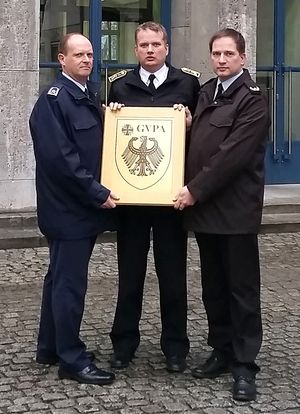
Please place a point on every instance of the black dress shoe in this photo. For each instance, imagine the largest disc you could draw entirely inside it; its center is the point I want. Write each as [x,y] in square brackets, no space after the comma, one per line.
[244,389]
[53,360]
[216,365]
[89,375]
[120,361]
[175,364]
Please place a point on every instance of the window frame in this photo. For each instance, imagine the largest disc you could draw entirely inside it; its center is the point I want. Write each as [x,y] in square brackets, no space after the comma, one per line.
[95,16]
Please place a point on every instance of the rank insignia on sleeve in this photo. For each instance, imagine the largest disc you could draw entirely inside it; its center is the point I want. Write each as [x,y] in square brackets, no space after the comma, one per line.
[191,72]
[117,75]
[53,91]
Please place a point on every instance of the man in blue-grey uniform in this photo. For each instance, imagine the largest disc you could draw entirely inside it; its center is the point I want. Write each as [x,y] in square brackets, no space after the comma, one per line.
[72,206]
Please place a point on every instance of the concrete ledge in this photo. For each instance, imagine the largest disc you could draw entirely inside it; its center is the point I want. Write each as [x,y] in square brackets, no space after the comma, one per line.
[28,236]
[18,219]
[19,230]
[281,208]
[280,223]
[31,237]
[281,214]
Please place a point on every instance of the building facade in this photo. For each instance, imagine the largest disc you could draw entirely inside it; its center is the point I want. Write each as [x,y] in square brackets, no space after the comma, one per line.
[30,31]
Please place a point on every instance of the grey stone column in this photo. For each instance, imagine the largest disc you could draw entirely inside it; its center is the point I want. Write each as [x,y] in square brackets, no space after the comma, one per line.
[241,15]
[19,77]
[193,23]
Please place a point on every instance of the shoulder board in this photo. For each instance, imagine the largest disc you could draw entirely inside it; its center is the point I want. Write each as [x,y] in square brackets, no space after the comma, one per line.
[117,75]
[254,89]
[191,72]
[53,91]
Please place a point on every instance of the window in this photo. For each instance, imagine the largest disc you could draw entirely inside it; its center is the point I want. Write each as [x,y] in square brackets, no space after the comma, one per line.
[110,41]
[113,38]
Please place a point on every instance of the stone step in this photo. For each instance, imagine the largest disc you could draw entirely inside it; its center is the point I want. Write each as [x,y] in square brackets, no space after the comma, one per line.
[30,237]
[281,208]
[280,223]
[18,219]
[29,219]
[20,230]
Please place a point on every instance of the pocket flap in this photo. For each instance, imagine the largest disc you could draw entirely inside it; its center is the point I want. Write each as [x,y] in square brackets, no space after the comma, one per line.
[85,124]
[220,121]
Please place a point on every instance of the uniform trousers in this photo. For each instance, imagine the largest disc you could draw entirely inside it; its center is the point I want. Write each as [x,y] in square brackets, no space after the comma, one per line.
[63,298]
[170,251]
[230,276]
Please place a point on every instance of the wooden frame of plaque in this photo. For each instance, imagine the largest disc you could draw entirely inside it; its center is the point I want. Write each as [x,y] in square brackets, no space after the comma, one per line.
[143,154]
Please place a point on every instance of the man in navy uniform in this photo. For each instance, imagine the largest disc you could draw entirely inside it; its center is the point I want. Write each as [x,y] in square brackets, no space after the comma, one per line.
[152,83]
[72,207]
[224,192]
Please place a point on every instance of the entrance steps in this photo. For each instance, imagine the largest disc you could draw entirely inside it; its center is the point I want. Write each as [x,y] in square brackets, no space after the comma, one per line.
[281,214]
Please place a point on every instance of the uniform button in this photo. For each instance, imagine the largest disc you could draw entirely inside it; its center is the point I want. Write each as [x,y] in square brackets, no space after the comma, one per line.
[215,102]
[152,98]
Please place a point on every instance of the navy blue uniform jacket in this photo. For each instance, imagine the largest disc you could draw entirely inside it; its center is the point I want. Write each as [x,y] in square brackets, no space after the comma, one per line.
[66,128]
[179,87]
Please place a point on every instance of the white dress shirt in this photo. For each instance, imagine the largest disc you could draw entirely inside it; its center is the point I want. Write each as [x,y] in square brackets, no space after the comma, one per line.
[160,75]
[226,83]
[82,87]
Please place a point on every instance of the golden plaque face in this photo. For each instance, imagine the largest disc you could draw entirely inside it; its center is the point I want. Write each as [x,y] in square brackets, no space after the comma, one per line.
[143,154]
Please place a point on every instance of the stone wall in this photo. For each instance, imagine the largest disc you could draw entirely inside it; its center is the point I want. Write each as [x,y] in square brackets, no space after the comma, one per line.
[19,87]
[193,23]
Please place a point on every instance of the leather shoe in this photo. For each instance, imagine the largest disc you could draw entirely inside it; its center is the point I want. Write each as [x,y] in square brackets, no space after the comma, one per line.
[53,360]
[216,365]
[244,389]
[89,375]
[120,361]
[175,364]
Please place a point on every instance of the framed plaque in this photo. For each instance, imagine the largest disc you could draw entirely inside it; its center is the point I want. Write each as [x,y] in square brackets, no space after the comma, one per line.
[143,154]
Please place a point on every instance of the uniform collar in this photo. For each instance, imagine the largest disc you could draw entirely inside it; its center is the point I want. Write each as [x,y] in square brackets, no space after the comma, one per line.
[77,92]
[134,77]
[82,87]
[212,85]
[160,75]
[226,83]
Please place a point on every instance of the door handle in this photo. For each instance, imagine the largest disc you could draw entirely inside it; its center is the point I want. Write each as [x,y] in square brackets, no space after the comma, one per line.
[106,85]
[274,116]
[289,109]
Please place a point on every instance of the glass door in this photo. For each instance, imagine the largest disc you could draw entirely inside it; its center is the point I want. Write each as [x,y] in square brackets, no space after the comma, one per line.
[110,25]
[120,18]
[57,18]
[278,74]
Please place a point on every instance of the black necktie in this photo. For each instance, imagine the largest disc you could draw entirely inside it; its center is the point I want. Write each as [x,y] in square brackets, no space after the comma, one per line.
[219,92]
[151,84]
[86,91]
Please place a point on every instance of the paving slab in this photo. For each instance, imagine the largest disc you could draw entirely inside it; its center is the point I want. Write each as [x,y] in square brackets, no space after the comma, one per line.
[146,387]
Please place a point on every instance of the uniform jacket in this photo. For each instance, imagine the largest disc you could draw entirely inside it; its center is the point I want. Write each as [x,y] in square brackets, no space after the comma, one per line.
[225,165]
[179,87]
[66,128]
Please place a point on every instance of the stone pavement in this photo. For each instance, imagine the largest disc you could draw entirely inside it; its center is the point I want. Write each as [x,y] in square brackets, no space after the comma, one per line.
[146,387]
